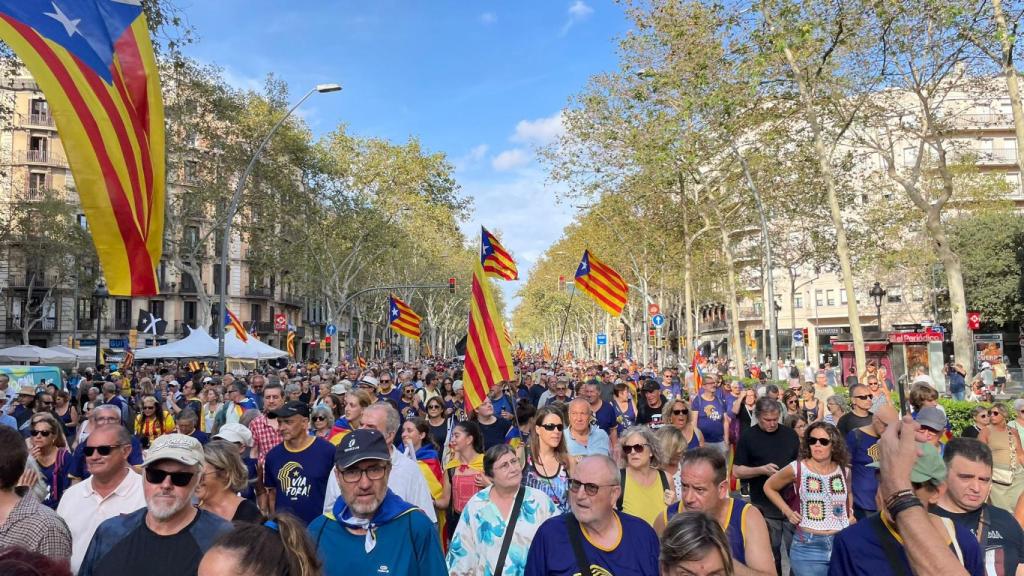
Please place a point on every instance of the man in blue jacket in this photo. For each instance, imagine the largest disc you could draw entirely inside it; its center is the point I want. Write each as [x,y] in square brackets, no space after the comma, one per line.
[371,530]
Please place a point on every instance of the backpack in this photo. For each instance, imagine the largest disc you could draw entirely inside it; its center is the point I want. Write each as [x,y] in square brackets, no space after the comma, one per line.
[622,483]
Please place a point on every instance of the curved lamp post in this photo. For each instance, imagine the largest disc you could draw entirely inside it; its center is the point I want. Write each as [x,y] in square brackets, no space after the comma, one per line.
[233,208]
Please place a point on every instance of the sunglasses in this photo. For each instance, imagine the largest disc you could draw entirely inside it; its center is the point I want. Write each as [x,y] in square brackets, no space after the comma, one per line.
[863,397]
[149,407]
[822,441]
[995,413]
[319,418]
[179,479]
[433,407]
[630,448]
[103,450]
[680,412]
[43,433]
[589,487]
[552,427]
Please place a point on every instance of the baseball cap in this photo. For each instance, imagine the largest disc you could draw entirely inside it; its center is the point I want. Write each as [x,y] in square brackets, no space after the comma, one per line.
[338,389]
[368,380]
[235,432]
[928,468]
[177,447]
[359,445]
[290,409]
[931,417]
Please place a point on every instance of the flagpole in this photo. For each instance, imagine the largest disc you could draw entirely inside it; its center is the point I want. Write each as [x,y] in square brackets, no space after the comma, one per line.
[561,336]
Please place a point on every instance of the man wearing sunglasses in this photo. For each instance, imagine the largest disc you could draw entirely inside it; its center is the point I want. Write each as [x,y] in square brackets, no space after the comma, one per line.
[169,535]
[112,489]
[102,415]
[369,529]
[610,542]
[860,410]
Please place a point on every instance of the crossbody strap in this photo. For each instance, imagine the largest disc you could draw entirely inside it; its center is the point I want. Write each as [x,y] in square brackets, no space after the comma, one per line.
[506,541]
[576,540]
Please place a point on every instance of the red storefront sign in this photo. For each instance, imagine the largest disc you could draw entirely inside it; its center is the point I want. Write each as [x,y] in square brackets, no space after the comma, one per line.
[915,337]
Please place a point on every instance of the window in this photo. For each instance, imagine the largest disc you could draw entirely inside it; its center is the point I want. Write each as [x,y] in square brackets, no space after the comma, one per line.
[37,147]
[1013,183]
[191,236]
[39,113]
[894,295]
[83,222]
[216,277]
[255,312]
[830,298]
[122,314]
[798,301]
[842,296]
[188,284]
[817,298]
[36,182]
[190,313]
[156,307]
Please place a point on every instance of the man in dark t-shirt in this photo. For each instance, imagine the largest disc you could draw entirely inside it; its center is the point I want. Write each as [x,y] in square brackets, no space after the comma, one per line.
[859,414]
[980,416]
[761,451]
[969,463]
[650,405]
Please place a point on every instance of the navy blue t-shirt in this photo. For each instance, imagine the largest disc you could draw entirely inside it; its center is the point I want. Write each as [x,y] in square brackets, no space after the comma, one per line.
[299,479]
[862,453]
[636,555]
[710,414]
[605,417]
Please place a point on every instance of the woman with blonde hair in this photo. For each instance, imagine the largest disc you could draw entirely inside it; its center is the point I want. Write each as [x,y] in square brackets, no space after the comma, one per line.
[646,491]
[1007,458]
[355,402]
[677,413]
[211,406]
[673,445]
[224,476]
[48,455]
[694,543]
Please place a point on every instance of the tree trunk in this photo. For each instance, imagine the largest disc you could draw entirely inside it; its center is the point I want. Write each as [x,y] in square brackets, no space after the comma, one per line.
[736,346]
[962,348]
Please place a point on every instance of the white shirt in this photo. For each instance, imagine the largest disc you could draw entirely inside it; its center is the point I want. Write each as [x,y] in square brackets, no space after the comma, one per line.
[406,481]
[84,510]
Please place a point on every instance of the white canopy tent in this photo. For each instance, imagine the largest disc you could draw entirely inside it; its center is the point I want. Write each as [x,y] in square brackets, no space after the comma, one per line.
[29,353]
[79,353]
[251,350]
[198,344]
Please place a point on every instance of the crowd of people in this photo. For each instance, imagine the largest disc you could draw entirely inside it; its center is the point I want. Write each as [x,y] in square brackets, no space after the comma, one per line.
[578,468]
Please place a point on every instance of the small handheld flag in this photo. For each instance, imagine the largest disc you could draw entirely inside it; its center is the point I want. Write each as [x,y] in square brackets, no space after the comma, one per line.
[403,320]
[597,280]
[495,259]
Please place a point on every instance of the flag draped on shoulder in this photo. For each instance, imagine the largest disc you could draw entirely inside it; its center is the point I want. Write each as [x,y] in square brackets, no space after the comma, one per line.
[403,320]
[488,361]
[94,62]
[597,280]
[232,321]
[495,259]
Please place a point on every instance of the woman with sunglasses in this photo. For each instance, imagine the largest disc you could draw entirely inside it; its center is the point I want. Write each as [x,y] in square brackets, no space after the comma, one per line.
[823,497]
[48,451]
[152,422]
[548,464]
[646,491]
[1007,458]
[440,424]
[321,421]
[791,402]
[224,476]
[677,414]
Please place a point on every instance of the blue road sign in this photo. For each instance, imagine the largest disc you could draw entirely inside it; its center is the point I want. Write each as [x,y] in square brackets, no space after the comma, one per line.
[798,336]
[602,339]
[658,320]
[331,330]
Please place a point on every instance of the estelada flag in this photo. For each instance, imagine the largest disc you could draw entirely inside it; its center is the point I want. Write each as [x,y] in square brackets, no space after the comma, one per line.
[235,324]
[597,280]
[362,362]
[495,259]
[402,319]
[94,62]
[488,361]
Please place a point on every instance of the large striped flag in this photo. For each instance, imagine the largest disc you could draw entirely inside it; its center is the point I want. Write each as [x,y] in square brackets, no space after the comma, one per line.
[488,361]
[94,62]
[291,343]
[403,320]
[495,259]
[597,280]
[698,372]
[232,321]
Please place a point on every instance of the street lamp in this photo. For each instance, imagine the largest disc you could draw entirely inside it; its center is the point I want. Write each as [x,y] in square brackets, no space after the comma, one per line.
[99,295]
[876,293]
[233,208]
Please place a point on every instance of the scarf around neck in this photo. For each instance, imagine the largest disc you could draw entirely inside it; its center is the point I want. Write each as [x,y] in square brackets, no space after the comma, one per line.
[390,508]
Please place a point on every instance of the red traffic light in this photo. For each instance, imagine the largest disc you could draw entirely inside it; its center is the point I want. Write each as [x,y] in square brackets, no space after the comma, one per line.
[561,283]
[327,340]
[451,285]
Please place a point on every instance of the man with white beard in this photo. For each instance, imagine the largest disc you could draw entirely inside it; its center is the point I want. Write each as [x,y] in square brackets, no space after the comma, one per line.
[170,535]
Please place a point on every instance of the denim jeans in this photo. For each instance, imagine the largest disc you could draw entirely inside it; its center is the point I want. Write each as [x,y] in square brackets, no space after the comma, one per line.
[810,553]
[780,531]
[959,395]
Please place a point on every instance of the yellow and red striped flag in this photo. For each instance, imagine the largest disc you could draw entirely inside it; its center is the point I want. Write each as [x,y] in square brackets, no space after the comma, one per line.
[94,63]
[597,280]
[291,344]
[403,320]
[488,361]
[496,260]
[235,324]
[362,362]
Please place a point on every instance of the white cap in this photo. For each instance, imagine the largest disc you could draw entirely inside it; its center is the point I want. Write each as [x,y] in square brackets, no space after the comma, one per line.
[235,432]
[177,447]
[338,389]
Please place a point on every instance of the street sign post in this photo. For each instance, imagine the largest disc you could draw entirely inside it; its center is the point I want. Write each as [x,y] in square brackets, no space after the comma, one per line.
[653,309]
[658,320]
[280,323]
[602,339]
[798,336]
[331,330]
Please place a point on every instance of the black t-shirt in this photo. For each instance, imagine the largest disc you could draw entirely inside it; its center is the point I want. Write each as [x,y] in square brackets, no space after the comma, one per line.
[248,511]
[646,414]
[970,432]
[1005,543]
[757,448]
[439,433]
[851,421]
[494,434]
[142,551]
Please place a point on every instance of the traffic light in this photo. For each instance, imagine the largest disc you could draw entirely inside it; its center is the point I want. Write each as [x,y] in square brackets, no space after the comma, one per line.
[451,285]
[327,342]
[561,283]
[805,336]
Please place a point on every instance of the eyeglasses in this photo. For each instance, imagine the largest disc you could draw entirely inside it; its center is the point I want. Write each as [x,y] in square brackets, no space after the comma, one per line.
[630,448]
[103,450]
[434,407]
[815,440]
[511,462]
[589,487]
[995,413]
[680,412]
[179,479]
[43,433]
[552,427]
[352,475]
[792,401]
[319,418]
[863,396]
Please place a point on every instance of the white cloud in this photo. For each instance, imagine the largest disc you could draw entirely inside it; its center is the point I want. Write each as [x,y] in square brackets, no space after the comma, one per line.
[470,159]
[488,18]
[579,10]
[540,131]
[510,159]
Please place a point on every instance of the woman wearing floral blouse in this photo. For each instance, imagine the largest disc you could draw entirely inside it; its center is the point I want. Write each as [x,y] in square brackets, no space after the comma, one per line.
[477,541]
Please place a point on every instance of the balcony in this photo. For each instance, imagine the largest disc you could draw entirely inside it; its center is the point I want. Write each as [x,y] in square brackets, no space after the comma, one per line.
[45,325]
[44,157]
[714,326]
[750,313]
[292,300]
[983,121]
[1000,157]
[38,280]
[41,120]
[259,292]
[122,324]
[261,327]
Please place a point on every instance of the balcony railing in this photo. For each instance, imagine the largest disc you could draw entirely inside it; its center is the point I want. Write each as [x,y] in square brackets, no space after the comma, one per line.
[123,324]
[750,313]
[37,280]
[293,300]
[259,292]
[44,325]
[40,120]
[997,157]
[981,120]
[714,326]
[261,327]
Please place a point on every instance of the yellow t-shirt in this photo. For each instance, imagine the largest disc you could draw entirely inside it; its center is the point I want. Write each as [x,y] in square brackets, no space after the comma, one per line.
[645,502]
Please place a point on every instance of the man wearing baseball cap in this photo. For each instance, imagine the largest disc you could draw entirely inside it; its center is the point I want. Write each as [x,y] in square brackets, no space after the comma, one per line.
[170,535]
[296,471]
[370,530]
[873,546]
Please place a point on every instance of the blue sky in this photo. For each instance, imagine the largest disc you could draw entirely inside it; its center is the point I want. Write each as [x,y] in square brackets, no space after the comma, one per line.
[482,81]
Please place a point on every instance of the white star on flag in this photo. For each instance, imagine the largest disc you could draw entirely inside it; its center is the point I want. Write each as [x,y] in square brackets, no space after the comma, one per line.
[70,26]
